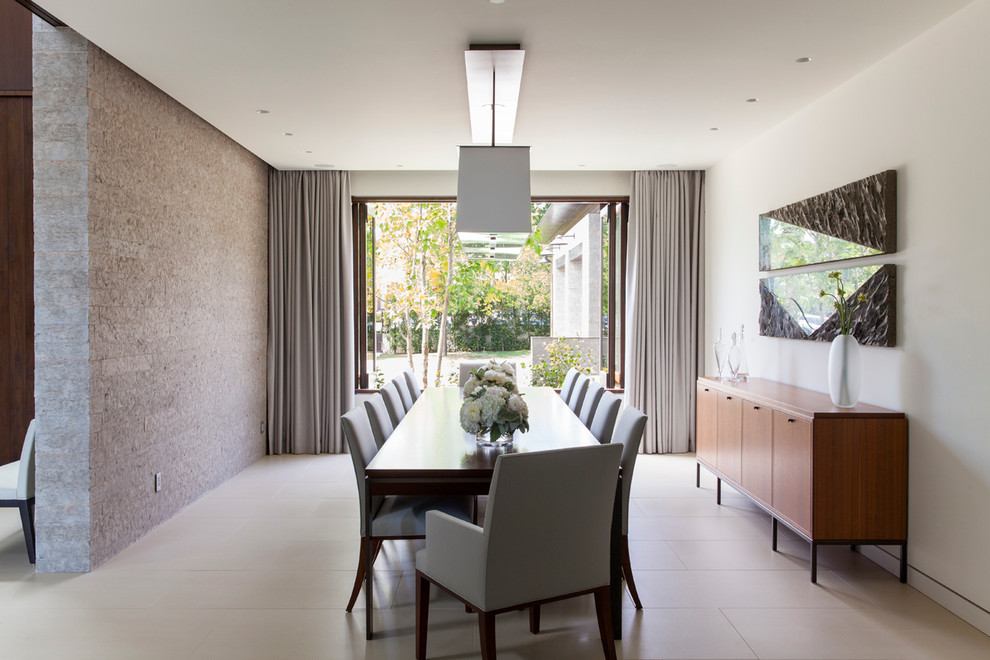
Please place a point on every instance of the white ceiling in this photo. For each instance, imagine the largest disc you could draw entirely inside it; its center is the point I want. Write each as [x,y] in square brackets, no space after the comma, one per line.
[607,84]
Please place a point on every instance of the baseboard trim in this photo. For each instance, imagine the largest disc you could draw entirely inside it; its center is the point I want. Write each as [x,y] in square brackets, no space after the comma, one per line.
[953,601]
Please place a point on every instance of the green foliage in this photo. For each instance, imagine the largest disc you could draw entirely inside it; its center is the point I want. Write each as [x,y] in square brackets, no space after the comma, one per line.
[550,370]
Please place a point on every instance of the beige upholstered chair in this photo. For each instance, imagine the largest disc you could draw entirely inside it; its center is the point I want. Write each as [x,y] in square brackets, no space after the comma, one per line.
[628,433]
[604,418]
[568,384]
[576,399]
[404,394]
[17,488]
[394,516]
[412,384]
[546,537]
[393,403]
[467,366]
[591,398]
[381,423]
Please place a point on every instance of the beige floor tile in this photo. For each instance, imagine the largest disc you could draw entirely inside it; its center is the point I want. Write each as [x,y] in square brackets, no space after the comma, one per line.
[702,528]
[697,507]
[750,554]
[680,633]
[654,556]
[215,507]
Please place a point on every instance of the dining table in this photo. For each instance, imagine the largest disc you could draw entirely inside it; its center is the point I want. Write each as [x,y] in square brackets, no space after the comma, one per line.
[429,453]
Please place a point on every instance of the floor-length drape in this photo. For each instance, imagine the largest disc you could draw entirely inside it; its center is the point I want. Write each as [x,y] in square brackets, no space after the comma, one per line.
[310,311]
[663,276]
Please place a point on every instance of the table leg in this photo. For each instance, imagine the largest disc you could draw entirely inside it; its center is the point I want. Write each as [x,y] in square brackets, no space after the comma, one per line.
[718,490]
[904,564]
[369,558]
[615,568]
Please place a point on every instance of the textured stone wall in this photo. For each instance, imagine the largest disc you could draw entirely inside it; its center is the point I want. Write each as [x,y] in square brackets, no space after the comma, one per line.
[178,298]
[151,294]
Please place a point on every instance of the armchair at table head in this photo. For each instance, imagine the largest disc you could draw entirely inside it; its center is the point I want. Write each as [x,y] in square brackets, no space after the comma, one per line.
[604,418]
[393,403]
[381,423]
[592,396]
[17,488]
[527,554]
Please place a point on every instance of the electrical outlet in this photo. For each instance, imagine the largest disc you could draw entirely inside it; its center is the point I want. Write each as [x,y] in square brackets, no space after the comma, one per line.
[262,427]
[158,481]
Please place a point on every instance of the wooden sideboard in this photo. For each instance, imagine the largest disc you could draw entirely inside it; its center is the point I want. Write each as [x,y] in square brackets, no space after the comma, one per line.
[833,475]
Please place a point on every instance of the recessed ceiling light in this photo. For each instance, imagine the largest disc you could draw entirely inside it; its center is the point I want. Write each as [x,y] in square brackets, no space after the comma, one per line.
[713,128]
[582,165]
[753,100]
[308,151]
[803,60]
[398,165]
[287,134]
[262,112]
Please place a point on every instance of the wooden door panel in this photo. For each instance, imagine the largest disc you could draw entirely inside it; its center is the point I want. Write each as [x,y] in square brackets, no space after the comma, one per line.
[729,457]
[757,450]
[792,470]
[707,425]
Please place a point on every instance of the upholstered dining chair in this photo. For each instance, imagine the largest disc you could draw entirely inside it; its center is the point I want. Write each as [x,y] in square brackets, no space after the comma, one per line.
[576,399]
[604,418]
[466,367]
[404,394]
[17,488]
[629,434]
[592,396]
[568,384]
[525,554]
[414,389]
[381,423]
[393,403]
[393,516]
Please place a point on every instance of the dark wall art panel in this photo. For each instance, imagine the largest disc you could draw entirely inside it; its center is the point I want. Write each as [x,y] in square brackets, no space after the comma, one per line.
[791,307]
[856,220]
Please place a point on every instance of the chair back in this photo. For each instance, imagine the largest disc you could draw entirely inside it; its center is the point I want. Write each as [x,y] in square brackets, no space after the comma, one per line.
[412,384]
[362,448]
[404,395]
[603,421]
[25,473]
[591,398]
[548,523]
[381,423]
[393,403]
[466,367]
[577,394]
[568,384]
[628,433]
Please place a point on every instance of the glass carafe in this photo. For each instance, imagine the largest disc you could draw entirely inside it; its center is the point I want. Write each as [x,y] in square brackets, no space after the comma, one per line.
[721,352]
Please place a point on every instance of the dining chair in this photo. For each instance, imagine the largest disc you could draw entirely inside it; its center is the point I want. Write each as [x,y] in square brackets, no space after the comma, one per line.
[393,403]
[546,537]
[404,394]
[393,516]
[414,389]
[17,488]
[381,423]
[591,398]
[466,367]
[629,434]
[568,384]
[577,394]
[604,418]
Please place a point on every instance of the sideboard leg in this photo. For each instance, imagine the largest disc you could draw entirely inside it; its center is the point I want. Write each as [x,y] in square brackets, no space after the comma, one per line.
[697,475]
[814,562]
[718,490]
[773,534]
[904,562]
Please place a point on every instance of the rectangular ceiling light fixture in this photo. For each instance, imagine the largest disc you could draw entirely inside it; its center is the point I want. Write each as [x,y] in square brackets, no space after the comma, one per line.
[506,62]
[494,216]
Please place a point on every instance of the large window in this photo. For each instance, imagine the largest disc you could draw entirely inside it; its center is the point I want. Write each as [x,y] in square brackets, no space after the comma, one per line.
[421,303]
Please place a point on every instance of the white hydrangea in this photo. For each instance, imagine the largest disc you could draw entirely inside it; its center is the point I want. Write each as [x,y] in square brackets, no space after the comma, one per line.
[471,417]
[517,405]
[490,405]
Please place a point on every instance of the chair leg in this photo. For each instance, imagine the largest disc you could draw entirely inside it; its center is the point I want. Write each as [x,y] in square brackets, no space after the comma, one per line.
[534,619]
[422,614]
[486,624]
[358,579]
[628,574]
[27,522]
[603,609]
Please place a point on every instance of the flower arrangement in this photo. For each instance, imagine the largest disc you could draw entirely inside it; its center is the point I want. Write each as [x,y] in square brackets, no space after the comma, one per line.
[492,403]
[844,307]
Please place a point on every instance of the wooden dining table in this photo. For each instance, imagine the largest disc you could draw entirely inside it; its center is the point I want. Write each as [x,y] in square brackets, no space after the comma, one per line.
[429,453]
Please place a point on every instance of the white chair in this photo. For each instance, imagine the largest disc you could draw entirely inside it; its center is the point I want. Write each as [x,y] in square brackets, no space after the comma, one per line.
[591,398]
[546,537]
[568,384]
[604,418]
[414,389]
[381,423]
[467,366]
[17,488]
[404,393]
[628,433]
[577,394]
[393,516]
[393,403]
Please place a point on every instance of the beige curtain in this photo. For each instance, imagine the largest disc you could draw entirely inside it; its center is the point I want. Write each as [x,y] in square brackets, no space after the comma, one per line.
[310,311]
[663,277]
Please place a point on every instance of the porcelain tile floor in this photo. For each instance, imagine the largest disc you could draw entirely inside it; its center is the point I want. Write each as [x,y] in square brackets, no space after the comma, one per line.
[262,567]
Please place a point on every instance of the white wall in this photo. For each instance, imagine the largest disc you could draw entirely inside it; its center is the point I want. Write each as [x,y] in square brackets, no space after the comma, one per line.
[399,183]
[923,111]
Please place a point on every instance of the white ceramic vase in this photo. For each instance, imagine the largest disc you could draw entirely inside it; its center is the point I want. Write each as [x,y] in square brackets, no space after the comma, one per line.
[843,371]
